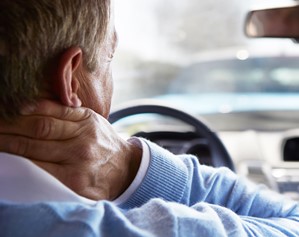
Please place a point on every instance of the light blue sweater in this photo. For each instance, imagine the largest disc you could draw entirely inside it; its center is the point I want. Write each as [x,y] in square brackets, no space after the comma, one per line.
[178,197]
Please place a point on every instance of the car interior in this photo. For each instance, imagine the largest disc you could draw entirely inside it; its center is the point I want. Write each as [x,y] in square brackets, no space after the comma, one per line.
[233,104]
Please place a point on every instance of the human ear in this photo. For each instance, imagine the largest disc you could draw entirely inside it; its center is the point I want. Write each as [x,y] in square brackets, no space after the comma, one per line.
[66,84]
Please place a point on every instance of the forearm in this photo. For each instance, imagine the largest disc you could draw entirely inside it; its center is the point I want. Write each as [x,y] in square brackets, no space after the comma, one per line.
[224,188]
[182,179]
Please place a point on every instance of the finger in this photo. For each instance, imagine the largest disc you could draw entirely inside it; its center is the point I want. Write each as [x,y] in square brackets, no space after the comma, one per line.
[53,109]
[33,149]
[44,128]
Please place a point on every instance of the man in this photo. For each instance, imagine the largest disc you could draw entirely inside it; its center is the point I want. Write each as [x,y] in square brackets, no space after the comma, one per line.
[55,95]
[32,30]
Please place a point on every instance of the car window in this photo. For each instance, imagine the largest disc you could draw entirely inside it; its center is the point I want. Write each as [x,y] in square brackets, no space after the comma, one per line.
[253,75]
[193,47]
[194,55]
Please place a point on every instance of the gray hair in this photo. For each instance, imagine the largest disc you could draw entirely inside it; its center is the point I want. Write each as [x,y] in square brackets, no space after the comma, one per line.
[33,33]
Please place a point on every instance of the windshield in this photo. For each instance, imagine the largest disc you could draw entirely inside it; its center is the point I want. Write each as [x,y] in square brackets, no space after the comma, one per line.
[252,75]
[195,52]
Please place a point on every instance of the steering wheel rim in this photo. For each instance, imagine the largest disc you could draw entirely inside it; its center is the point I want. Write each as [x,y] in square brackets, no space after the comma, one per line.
[219,154]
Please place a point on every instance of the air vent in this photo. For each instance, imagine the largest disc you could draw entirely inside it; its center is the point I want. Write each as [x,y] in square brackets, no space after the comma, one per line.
[291,150]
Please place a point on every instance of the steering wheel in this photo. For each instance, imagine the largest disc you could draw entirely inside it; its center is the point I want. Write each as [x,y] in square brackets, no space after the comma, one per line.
[202,139]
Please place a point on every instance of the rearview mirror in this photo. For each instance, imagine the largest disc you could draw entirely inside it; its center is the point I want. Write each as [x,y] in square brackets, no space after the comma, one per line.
[282,22]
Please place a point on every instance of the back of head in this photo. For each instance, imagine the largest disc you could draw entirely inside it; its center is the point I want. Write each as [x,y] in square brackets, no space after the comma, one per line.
[33,33]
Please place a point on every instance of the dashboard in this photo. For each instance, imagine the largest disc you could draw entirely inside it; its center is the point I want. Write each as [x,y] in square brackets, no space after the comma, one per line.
[266,157]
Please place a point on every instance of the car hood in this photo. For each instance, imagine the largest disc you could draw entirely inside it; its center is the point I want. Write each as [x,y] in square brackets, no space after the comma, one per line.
[232,102]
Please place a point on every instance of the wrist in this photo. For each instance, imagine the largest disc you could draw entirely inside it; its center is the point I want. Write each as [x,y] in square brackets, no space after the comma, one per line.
[131,159]
[135,161]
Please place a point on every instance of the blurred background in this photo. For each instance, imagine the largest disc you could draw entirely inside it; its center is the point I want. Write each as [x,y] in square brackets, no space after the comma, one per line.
[157,38]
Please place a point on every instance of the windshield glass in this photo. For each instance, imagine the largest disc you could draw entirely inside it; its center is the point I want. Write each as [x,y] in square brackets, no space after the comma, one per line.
[195,52]
[252,75]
